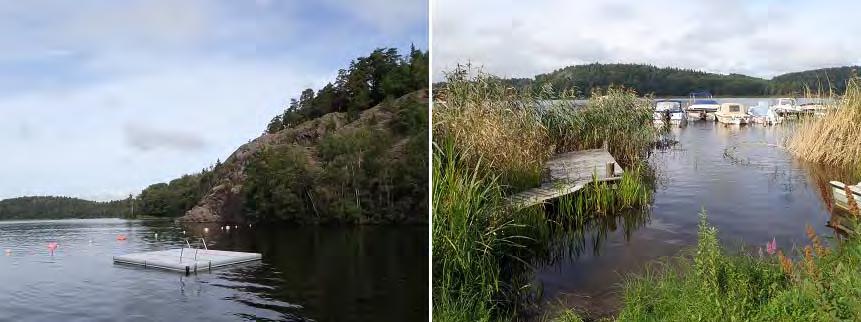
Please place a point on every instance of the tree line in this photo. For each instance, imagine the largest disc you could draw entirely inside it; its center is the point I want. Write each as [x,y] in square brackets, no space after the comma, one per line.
[667,81]
[51,207]
[364,84]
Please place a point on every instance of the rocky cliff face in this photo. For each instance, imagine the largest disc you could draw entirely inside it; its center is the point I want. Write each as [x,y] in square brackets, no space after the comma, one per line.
[224,201]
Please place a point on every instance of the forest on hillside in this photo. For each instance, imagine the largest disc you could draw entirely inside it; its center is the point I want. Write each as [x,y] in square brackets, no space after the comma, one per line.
[47,207]
[281,186]
[662,82]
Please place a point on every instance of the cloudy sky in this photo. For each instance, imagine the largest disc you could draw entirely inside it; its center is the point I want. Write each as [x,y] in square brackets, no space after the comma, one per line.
[99,99]
[759,38]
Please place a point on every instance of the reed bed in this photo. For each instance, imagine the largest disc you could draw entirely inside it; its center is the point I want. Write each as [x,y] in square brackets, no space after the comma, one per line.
[617,117]
[490,141]
[833,139]
[492,123]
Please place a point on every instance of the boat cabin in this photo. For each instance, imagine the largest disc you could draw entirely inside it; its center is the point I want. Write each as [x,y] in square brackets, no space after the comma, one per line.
[730,109]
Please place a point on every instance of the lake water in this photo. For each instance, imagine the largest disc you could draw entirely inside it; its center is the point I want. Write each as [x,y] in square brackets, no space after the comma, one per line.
[375,273]
[752,192]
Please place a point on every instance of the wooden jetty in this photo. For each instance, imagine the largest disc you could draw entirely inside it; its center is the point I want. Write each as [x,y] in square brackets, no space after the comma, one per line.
[187,260]
[570,172]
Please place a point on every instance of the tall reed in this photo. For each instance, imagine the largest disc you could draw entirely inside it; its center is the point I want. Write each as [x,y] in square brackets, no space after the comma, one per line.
[616,116]
[836,138]
[467,220]
[493,123]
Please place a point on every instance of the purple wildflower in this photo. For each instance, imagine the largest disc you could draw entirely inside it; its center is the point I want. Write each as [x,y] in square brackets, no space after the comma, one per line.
[771,247]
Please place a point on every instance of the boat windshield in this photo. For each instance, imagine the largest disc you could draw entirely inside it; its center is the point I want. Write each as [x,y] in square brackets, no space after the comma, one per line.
[705,102]
[671,106]
[785,101]
[759,110]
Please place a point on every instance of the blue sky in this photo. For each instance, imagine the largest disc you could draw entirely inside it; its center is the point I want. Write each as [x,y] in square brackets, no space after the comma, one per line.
[99,99]
[759,38]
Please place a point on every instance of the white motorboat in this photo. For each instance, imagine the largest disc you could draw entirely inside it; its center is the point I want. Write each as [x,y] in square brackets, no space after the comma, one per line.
[670,110]
[763,114]
[701,106]
[786,105]
[732,113]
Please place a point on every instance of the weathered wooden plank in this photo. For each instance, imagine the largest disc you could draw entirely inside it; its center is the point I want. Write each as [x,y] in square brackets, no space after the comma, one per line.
[569,172]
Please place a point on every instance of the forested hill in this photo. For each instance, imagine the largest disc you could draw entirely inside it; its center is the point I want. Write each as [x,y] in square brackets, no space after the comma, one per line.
[818,80]
[62,208]
[353,151]
[647,79]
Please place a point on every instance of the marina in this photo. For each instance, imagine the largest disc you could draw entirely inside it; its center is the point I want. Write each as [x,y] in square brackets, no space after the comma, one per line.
[766,111]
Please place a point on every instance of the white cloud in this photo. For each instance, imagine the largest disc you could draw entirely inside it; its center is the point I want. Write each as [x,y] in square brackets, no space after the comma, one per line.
[521,39]
[102,98]
[116,138]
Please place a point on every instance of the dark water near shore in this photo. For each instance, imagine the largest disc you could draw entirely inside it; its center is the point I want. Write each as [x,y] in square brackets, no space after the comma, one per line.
[373,273]
[752,192]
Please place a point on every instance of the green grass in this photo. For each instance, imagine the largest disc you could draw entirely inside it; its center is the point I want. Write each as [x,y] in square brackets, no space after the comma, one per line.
[822,284]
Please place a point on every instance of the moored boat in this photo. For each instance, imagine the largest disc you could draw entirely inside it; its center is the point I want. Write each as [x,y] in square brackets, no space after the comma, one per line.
[763,114]
[732,113]
[701,106]
[839,192]
[669,110]
[786,105]
[815,108]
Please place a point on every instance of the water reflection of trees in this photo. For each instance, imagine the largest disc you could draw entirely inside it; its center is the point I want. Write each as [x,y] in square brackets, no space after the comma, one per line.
[363,271]
[570,240]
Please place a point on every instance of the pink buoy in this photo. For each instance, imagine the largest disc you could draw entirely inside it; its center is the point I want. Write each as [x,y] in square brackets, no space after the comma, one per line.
[52,246]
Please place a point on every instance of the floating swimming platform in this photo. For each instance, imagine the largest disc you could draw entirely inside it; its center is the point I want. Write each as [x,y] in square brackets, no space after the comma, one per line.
[187,260]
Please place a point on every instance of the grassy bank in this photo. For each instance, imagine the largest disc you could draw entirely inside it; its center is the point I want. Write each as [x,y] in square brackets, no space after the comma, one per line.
[819,283]
[833,140]
[491,141]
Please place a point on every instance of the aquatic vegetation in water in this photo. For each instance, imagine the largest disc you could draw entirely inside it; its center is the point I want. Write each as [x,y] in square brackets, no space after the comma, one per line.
[488,121]
[832,139]
[617,117]
[490,141]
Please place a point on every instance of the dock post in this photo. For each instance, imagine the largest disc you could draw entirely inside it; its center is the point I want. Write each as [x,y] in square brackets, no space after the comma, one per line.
[605,146]
[611,169]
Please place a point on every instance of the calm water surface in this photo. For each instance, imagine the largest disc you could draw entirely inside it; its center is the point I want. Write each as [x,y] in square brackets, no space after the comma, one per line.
[752,192]
[307,273]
